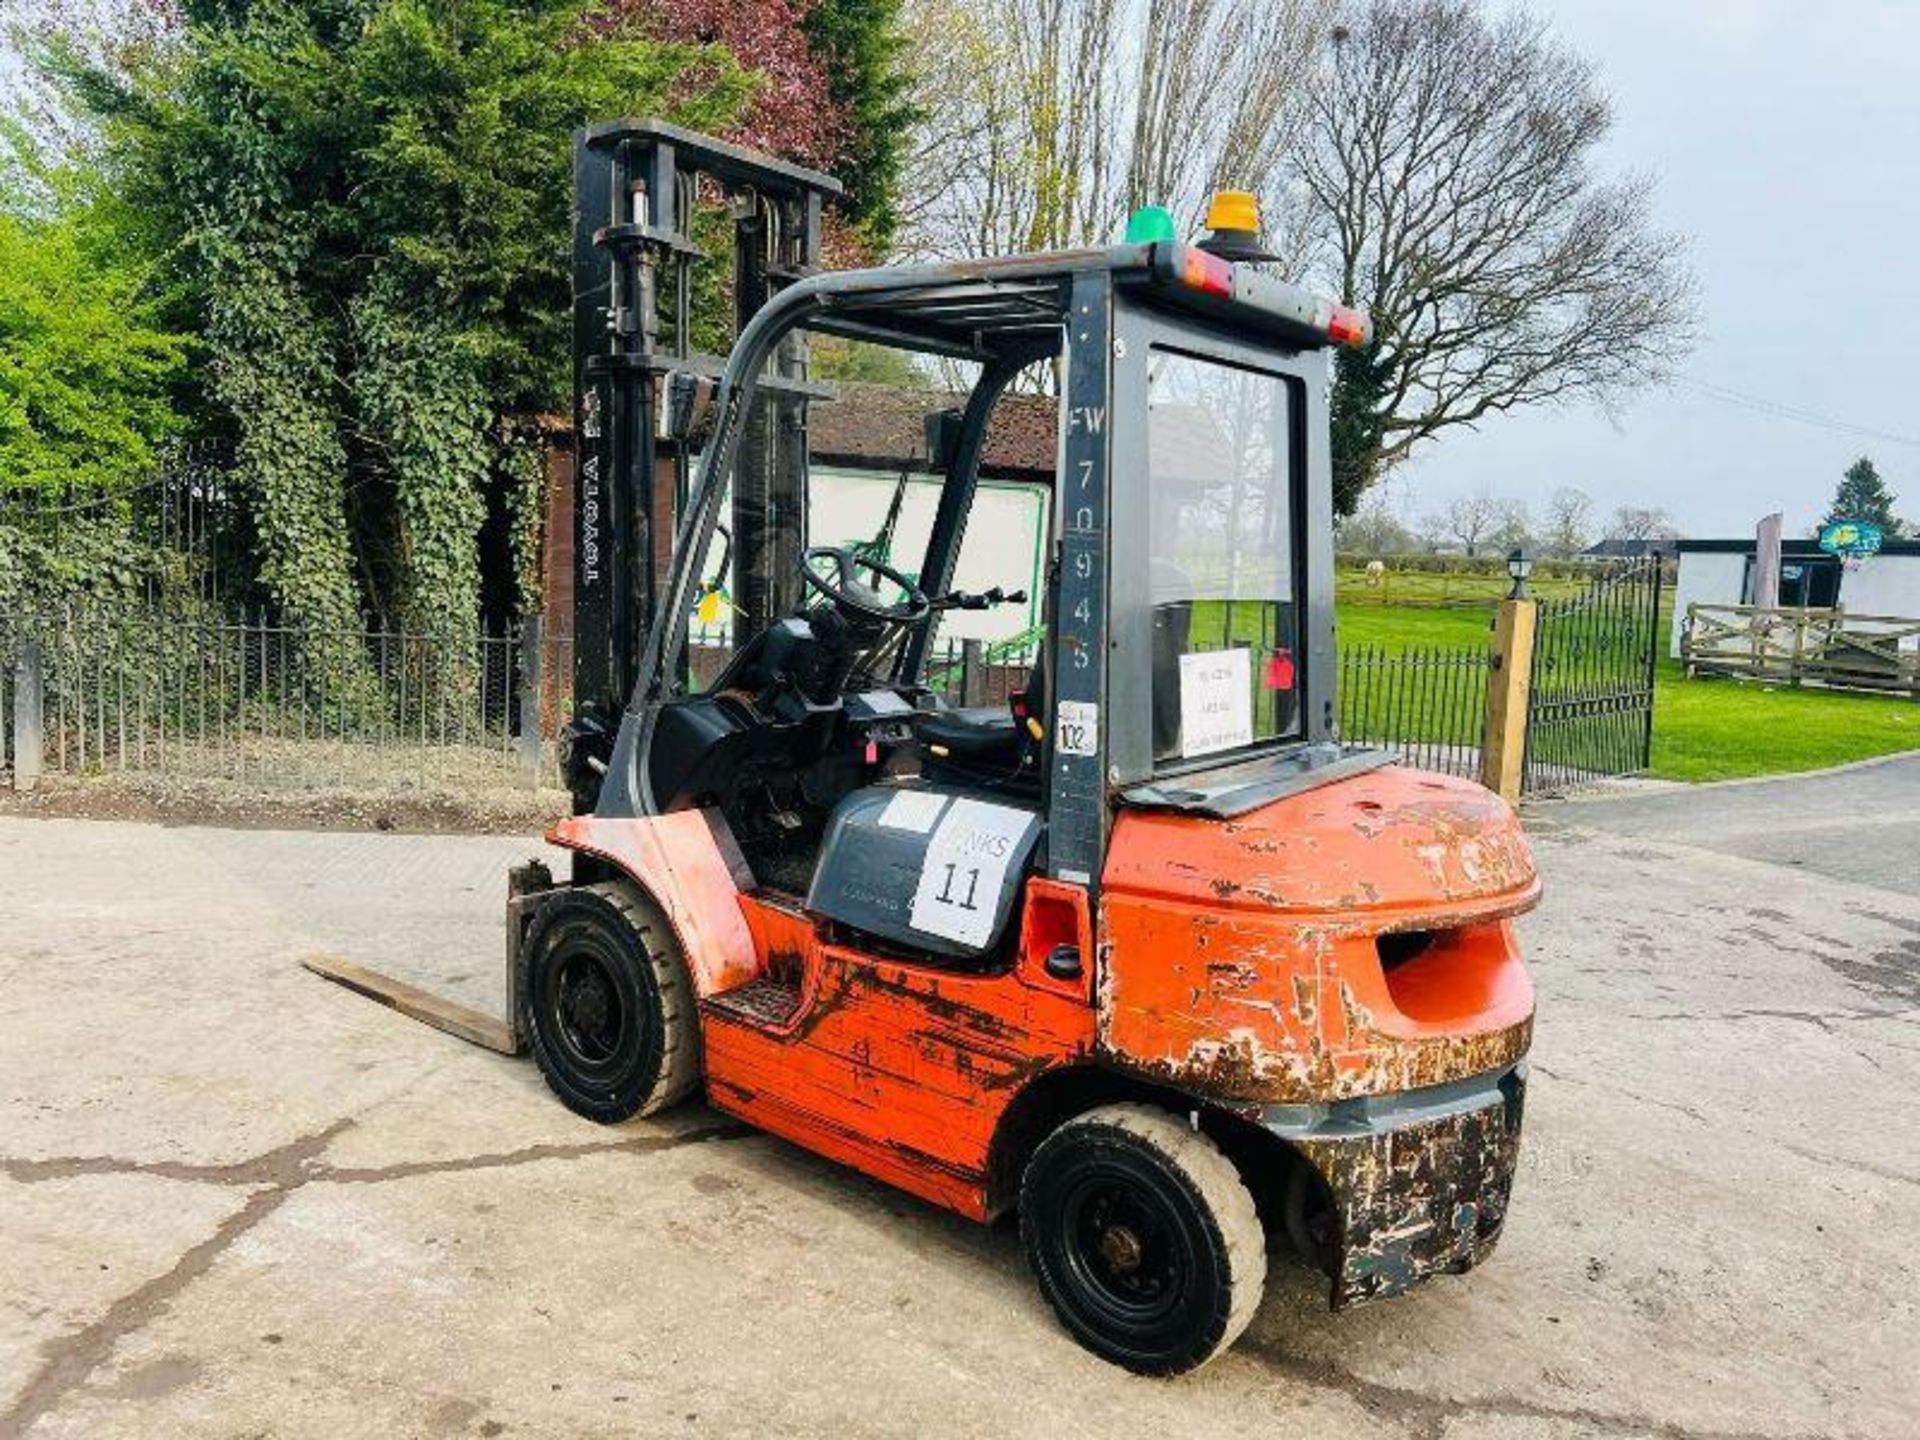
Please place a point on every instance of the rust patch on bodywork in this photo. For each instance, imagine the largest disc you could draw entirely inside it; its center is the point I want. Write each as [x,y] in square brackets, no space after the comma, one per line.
[904,1070]
[1340,965]
[1420,1198]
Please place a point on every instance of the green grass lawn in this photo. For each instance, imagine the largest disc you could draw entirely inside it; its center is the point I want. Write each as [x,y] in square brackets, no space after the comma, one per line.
[1394,628]
[1720,729]
[1708,729]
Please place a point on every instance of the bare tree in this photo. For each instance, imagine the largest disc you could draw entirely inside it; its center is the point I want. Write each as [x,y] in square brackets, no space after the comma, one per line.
[1635,522]
[1467,521]
[1512,525]
[1047,121]
[1569,521]
[1374,529]
[1451,153]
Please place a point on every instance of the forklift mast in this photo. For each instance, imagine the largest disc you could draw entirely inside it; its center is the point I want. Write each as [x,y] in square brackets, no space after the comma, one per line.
[637,375]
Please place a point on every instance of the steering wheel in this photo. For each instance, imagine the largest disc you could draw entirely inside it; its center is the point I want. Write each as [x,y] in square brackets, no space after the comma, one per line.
[845,591]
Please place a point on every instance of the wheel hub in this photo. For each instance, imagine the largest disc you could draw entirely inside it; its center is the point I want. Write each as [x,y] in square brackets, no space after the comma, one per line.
[587,1005]
[592,1019]
[1122,1249]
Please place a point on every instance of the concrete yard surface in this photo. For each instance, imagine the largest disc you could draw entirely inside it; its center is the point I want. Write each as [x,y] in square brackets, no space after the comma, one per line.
[236,1200]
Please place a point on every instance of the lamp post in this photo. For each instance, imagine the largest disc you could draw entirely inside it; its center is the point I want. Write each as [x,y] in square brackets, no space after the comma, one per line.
[1503,751]
[1519,566]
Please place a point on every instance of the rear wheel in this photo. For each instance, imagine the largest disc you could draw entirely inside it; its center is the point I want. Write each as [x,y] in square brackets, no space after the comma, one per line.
[1143,1238]
[606,1004]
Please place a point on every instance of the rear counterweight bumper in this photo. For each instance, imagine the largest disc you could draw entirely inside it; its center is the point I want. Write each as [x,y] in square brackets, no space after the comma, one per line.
[1418,1181]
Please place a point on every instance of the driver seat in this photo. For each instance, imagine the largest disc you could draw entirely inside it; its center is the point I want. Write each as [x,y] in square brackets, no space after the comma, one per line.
[989,736]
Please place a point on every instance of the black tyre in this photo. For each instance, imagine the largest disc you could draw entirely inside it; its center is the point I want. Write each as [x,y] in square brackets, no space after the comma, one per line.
[1143,1238]
[606,1005]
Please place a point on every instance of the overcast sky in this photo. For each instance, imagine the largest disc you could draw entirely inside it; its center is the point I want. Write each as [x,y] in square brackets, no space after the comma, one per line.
[1785,138]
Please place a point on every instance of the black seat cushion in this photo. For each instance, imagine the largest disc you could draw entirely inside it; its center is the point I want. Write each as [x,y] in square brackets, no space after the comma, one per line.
[981,732]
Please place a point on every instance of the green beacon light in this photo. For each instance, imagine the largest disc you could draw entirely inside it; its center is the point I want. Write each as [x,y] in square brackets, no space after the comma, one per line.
[1148,224]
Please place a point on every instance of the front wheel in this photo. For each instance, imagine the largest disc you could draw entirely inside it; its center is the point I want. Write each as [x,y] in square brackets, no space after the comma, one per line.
[1143,1238]
[606,1005]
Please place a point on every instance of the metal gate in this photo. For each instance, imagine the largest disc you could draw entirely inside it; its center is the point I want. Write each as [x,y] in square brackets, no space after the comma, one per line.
[1590,712]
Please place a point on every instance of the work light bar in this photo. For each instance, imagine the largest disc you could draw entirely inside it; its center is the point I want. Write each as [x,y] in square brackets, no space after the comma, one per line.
[1243,284]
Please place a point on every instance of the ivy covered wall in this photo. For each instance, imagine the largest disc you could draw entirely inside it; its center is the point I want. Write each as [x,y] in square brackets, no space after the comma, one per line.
[365,206]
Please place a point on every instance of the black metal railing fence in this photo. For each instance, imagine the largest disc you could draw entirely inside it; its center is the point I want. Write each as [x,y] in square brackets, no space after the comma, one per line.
[198,693]
[130,687]
[1429,703]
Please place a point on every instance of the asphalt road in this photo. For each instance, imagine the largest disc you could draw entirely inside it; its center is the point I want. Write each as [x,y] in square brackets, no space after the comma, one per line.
[1859,824]
[235,1200]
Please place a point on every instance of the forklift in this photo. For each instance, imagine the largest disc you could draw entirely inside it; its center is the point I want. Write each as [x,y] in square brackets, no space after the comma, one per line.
[1145,956]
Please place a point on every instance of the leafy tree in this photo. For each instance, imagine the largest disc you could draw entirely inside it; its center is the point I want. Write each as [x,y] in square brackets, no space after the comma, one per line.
[861,49]
[368,204]
[834,358]
[792,112]
[1360,383]
[88,370]
[833,93]
[1863,495]
[1450,157]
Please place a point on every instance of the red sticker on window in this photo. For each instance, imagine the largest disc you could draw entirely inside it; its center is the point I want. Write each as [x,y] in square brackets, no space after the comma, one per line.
[1280,670]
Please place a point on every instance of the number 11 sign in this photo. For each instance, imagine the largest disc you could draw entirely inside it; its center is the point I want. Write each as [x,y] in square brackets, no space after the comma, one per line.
[965,867]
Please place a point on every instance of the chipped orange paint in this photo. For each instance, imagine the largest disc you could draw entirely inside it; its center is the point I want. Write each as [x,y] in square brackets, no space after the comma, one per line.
[901,1070]
[1241,959]
[1236,960]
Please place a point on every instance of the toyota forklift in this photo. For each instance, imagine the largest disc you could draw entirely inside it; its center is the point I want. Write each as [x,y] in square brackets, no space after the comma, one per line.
[1146,956]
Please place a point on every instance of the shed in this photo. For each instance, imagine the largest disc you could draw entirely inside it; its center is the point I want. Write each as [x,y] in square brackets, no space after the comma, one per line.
[1720,572]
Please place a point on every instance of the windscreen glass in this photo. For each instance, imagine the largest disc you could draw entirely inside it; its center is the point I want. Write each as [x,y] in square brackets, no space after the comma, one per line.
[841,460]
[1223,583]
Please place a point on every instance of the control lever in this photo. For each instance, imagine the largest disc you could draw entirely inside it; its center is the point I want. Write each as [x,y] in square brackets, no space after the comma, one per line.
[961,600]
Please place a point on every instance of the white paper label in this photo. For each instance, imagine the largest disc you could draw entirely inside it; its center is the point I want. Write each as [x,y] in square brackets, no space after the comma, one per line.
[965,865]
[1077,728]
[1216,701]
[914,810]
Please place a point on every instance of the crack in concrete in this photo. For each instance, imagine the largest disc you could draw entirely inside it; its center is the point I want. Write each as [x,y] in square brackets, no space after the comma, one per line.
[273,1177]
[1865,1167]
[1822,1020]
[1427,1416]
[260,1170]
[71,1359]
[1675,1106]
[530,1155]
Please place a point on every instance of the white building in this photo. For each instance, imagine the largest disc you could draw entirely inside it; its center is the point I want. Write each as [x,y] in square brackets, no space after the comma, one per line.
[1720,572]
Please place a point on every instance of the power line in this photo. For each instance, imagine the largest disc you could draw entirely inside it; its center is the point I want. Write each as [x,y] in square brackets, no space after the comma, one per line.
[1780,410]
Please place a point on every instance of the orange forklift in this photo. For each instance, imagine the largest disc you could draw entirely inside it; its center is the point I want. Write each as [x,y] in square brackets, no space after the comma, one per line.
[1146,956]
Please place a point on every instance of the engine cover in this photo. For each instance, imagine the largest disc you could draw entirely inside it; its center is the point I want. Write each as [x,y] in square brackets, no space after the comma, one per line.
[924,866]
